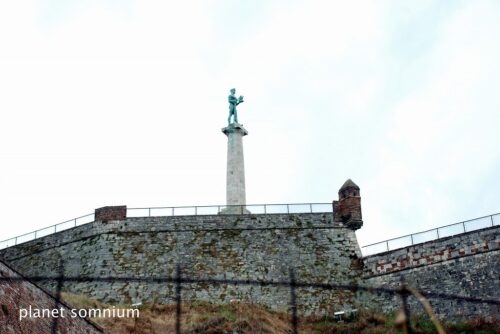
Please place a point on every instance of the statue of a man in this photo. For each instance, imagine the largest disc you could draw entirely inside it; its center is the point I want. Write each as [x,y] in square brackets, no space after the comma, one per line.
[233,102]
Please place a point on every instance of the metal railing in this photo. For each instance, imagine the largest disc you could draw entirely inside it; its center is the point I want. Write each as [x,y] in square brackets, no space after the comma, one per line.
[177,211]
[47,231]
[290,208]
[433,234]
[259,209]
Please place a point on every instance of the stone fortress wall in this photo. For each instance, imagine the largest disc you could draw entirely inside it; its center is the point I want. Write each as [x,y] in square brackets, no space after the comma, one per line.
[318,247]
[462,265]
[249,247]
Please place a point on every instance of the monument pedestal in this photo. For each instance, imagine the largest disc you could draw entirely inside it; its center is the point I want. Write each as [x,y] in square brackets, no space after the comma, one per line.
[235,177]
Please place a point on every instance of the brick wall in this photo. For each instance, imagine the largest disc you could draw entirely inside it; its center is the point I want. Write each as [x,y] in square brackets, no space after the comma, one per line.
[17,293]
[108,213]
[434,251]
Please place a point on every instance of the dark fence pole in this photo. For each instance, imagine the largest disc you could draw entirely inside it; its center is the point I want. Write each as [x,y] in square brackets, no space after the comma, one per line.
[404,292]
[60,280]
[293,302]
[178,286]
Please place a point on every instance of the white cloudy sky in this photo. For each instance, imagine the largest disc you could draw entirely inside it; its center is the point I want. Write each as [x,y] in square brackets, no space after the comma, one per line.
[122,102]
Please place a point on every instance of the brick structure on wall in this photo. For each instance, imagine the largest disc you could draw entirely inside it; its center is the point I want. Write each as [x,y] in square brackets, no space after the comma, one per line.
[348,208]
[435,251]
[16,293]
[111,213]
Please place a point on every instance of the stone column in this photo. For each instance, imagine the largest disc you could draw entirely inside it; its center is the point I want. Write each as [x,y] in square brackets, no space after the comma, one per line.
[235,178]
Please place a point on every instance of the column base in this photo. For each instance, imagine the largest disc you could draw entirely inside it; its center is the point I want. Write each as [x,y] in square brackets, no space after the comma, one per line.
[235,210]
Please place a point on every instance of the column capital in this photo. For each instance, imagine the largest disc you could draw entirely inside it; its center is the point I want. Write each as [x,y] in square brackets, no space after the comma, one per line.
[234,127]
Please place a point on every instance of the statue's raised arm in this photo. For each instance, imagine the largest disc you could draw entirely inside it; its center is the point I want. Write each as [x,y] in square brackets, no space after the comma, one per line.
[233,102]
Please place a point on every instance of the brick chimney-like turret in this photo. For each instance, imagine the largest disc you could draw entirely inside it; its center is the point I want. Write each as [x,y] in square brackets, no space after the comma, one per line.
[347,210]
[110,213]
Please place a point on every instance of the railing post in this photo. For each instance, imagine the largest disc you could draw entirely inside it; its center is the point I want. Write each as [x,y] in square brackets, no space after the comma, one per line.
[288,209]
[463,224]
[75,222]
[173,214]
[310,208]
[149,212]
[35,234]
[265,209]
[15,241]
[55,228]
[492,223]
[411,237]
[218,209]
[387,245]
[196,211]
[437,232]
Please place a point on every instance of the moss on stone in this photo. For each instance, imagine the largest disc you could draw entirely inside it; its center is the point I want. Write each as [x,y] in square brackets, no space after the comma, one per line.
[311,236]
[228,234]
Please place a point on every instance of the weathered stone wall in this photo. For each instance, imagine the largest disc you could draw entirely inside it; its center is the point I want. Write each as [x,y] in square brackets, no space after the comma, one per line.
[17,293]
[262,247]
[248,247]
[435,251]
[463,265]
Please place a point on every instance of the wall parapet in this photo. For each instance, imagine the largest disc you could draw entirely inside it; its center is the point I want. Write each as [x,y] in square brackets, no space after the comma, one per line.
[173,224]
[432,234]
[122,212]
[434,251]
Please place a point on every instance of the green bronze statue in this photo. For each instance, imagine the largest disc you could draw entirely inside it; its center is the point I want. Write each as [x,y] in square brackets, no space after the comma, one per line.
[233,102]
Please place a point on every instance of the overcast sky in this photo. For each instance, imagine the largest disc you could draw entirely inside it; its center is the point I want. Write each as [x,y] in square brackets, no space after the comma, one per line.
[122,103]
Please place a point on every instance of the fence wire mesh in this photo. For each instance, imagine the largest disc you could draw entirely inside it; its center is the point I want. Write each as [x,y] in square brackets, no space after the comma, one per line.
[292,284]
